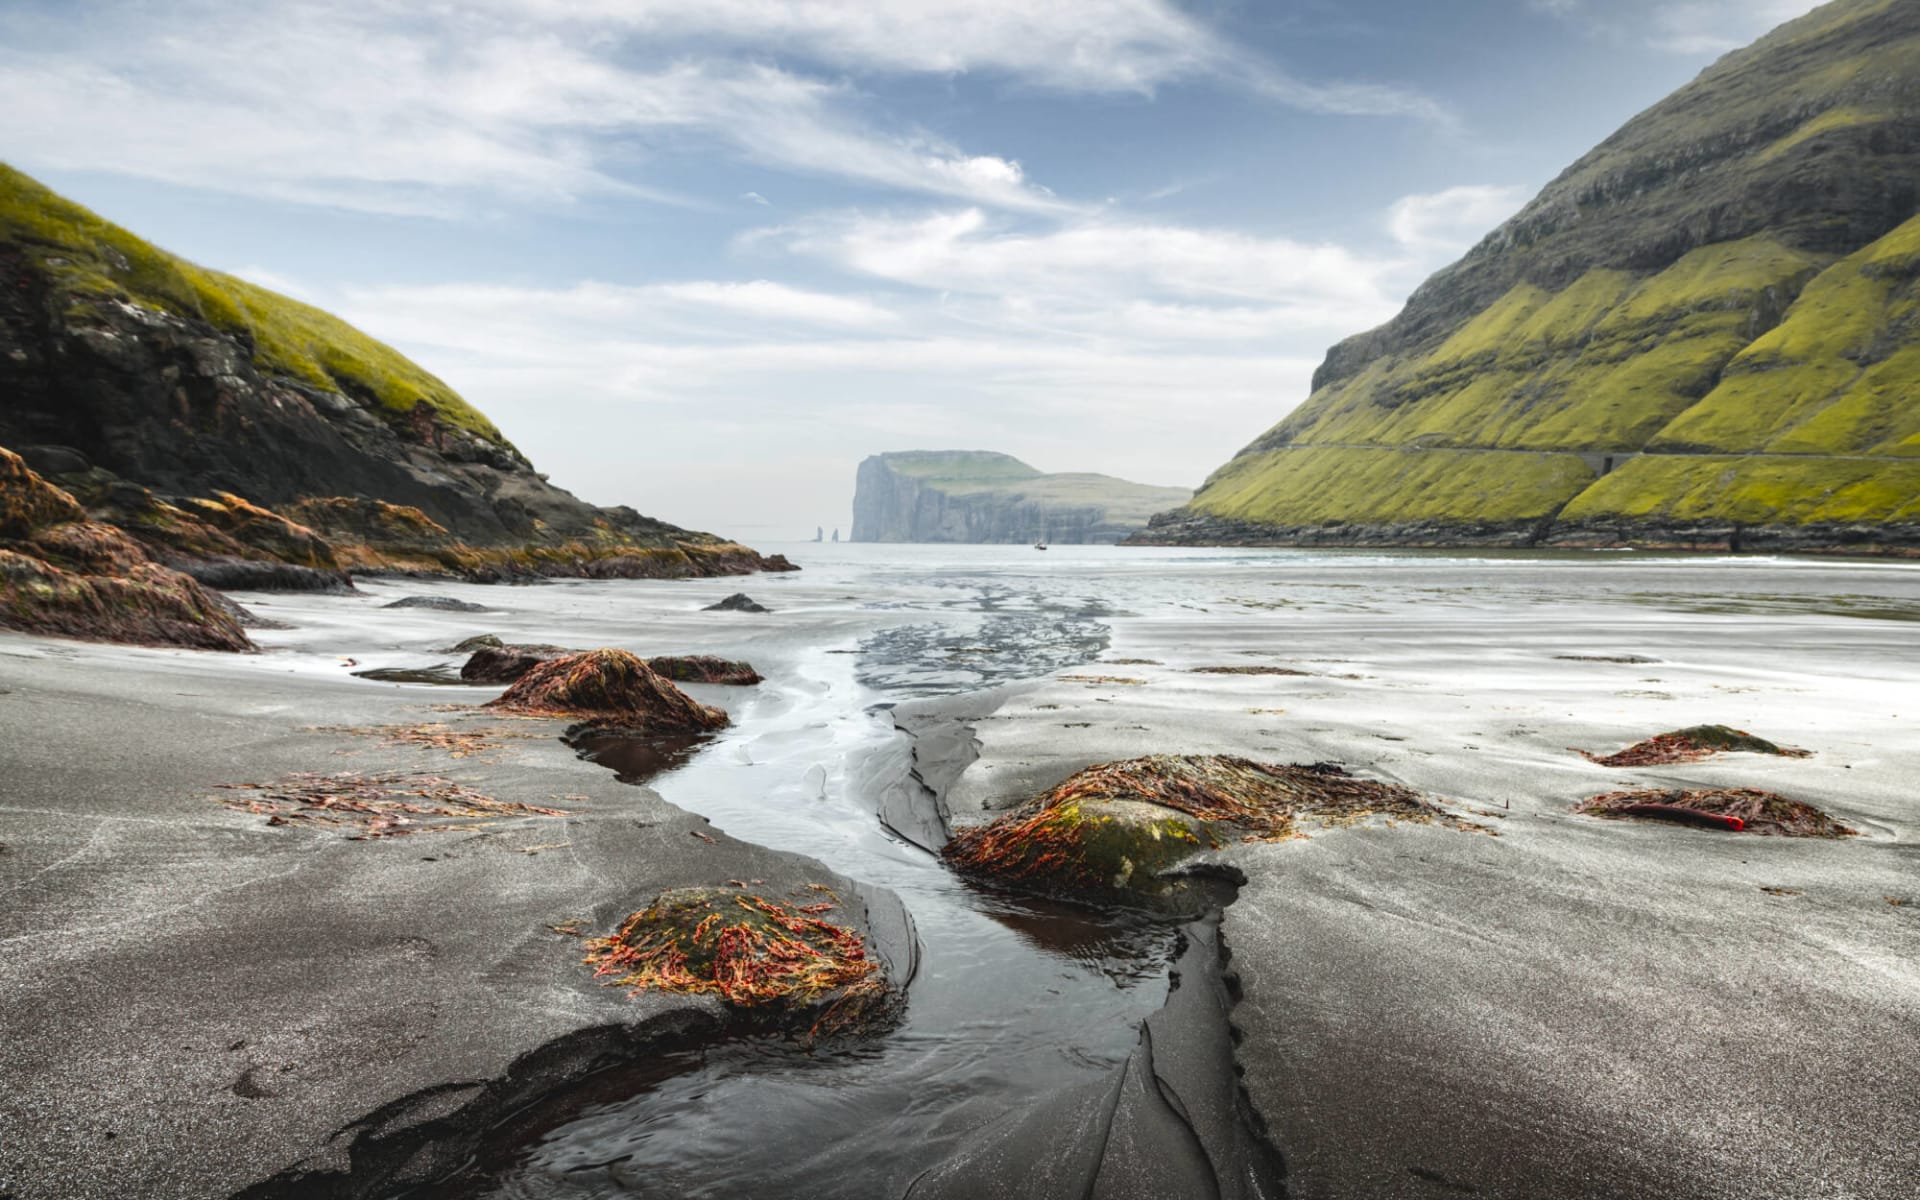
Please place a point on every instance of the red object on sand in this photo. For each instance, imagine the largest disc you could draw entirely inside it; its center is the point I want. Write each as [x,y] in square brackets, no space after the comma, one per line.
[1690,816]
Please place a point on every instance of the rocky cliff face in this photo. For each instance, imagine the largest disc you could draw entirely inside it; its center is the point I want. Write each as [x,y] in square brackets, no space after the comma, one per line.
[1703,333]
[980,496]
[254,441]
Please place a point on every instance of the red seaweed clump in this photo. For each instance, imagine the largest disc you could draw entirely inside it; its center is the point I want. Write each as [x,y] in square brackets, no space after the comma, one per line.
[748,950]
[1692,744]
[610,688]
[1736,810]
[1118,827]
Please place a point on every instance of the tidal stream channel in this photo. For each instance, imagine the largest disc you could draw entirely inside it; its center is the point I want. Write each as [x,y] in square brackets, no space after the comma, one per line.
[1013,999]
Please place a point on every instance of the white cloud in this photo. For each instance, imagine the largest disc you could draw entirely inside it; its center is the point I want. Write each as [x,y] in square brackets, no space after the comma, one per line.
[332,105]
[1444,224]
[394,106]
[1092,260]
[1076,46]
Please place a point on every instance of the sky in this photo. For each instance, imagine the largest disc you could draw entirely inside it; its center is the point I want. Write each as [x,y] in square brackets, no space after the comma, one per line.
[704,256]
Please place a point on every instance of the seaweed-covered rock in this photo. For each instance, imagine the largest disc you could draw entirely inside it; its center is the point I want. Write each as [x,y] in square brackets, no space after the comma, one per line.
[750,951]
[507,662]
[1736,810]
[148,605]
[1691,744]
[476,642]
[29,503]
[62,574]
[612,689]
[738,602]
[1115,830]
[704,668]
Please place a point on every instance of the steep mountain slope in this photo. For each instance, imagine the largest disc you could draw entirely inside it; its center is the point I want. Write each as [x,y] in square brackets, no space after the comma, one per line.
[251,440]
[1706,331]
[981,496]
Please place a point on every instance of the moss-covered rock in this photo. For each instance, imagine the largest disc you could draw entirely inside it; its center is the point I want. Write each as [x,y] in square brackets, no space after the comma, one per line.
[1115,831]
[612,689]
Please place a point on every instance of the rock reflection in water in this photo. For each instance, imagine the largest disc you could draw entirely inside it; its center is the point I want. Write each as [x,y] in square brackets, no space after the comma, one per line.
[636,759]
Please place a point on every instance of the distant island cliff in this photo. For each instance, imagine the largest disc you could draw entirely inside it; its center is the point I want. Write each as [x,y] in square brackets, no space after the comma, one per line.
[981,496]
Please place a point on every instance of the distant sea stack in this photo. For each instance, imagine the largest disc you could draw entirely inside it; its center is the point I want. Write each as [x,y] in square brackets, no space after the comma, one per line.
[1702,334]
[981,496]
[249,440]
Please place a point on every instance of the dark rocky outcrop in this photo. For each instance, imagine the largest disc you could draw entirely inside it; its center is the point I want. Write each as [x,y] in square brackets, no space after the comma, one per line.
[1699,336]
[705,668]
[738,602]
[61,573]
[980,496]
[146,384]
[493,661]
[504,663]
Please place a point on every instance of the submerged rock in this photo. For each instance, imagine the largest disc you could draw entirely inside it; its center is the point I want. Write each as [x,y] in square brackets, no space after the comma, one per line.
[469,645]
[738,602]
[1692,744]
[1118,829]
[704,668]
[750,951]
[1736,810]
[612,689]
[437,603]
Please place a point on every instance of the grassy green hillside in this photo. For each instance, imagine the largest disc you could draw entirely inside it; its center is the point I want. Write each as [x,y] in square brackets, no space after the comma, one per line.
[1734,275]
[89,257]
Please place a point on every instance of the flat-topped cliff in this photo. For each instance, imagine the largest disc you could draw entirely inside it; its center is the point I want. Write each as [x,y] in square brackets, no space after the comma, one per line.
[982,496]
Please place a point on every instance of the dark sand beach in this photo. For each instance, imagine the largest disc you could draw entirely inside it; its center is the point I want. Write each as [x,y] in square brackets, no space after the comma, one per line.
[1576,1006]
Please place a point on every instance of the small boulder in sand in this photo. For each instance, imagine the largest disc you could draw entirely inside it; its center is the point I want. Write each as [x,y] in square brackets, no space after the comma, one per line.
[612,689]
[738,602]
